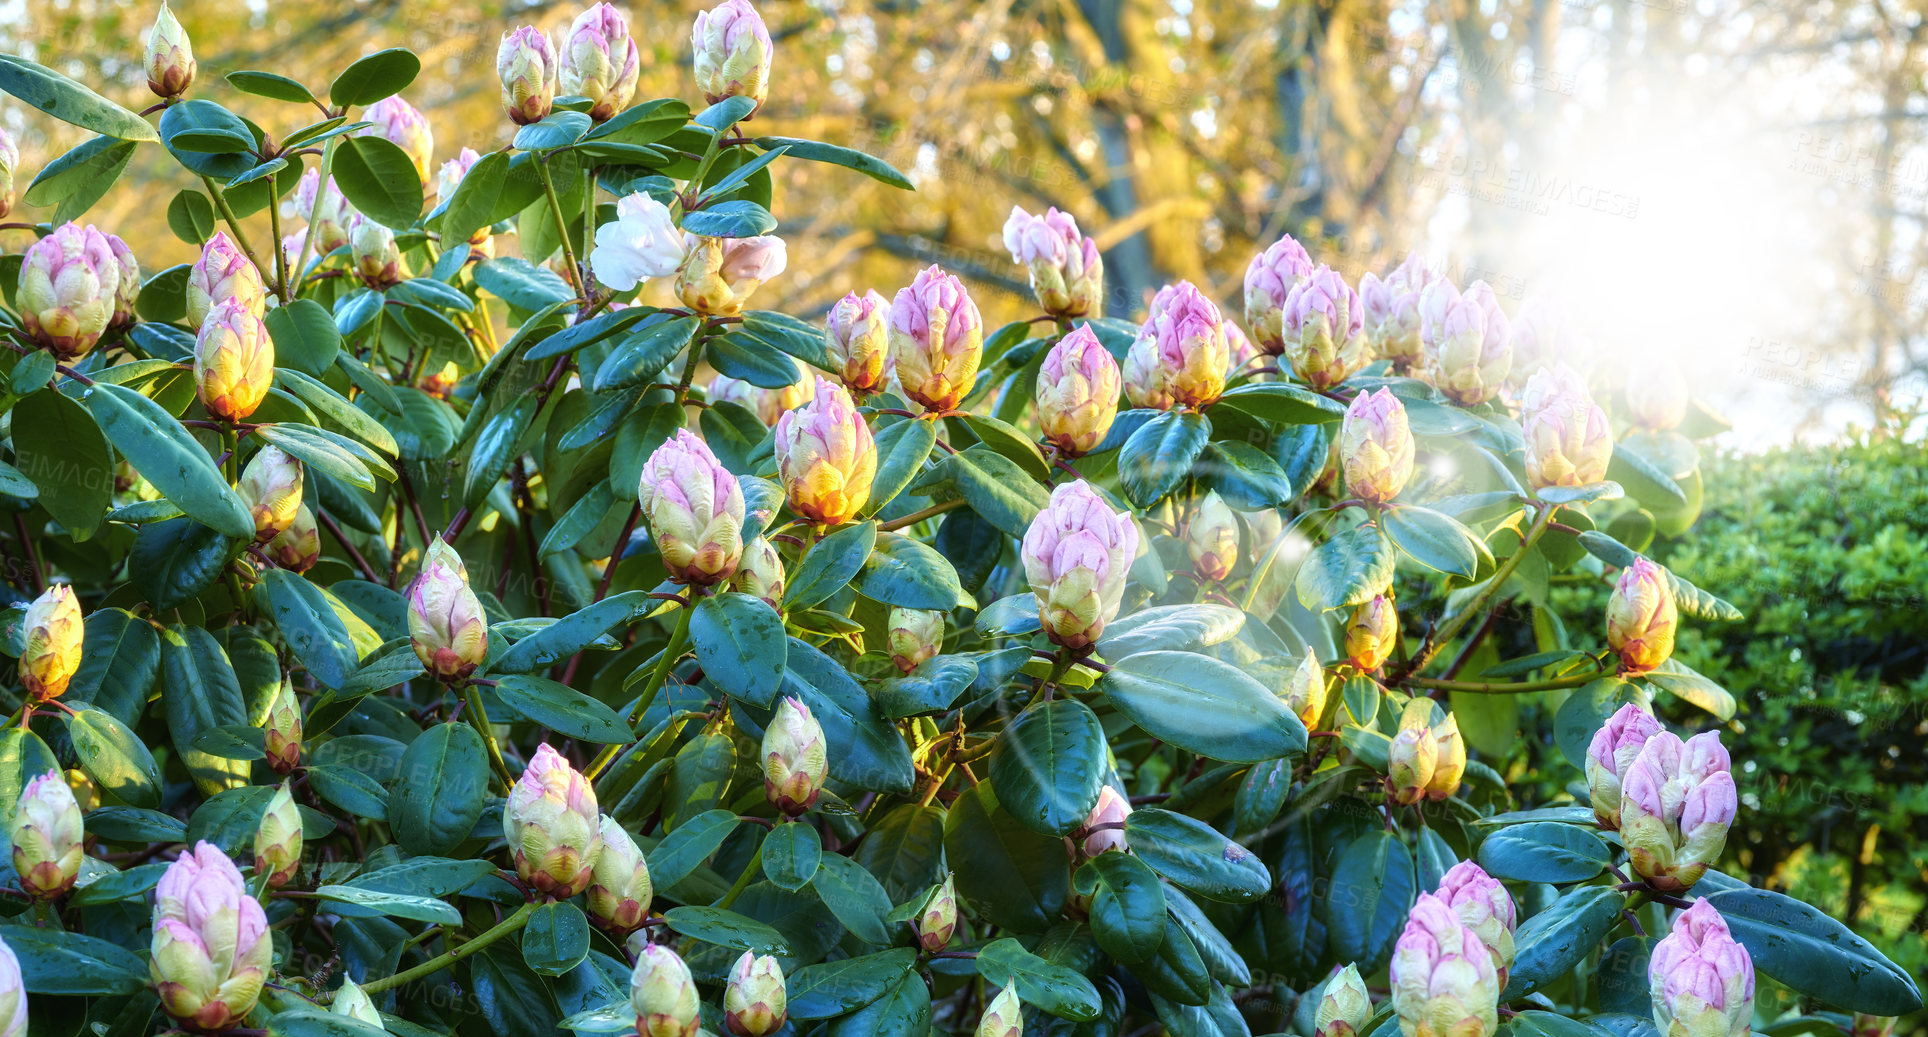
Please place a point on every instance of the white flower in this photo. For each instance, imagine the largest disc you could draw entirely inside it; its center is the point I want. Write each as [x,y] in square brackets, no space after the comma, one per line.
[642,243]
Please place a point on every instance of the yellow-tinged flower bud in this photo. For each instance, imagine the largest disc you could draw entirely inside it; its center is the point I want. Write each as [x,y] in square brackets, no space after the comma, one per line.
[1344,1006]
[211,950]
[223,272]
[277,842]
[233,361]
[1484,906]
[1676,805]
[299,546]
[1372,633]
[719,274]
[1701,979]
[856,334]
[1104,826]
[282,727]
[1077,554]
[170,58]
[271,488]
[1305,690]
[1211,538]
[600,61]
[1568,441]
[1376,446]
[378,260]
[936,339]
[1180,356]
[1066,270]
[795,758]
[937,920]
[694,508]
[1443,980]
[760,573]
[663,994]
[754,1001]
[1078,387]
[553,826]
[445,619]
[1609,756]
[1003,1017]
[1641,616]
[826,456]
[46,833]
[733,53]
[351,1001]
[1449,765]
[915,635]
[1410,762]
[1324,327]
[619,886]
[69,286]
[525,61]
[51,650]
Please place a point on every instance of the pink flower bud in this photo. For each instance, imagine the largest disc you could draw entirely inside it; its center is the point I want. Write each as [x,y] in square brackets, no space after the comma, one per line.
[937,920]
[277,840]
[1568,441]
[1641,616]
[599,61]
[1391,310]
[282,729]
[1077,554]
[223,272]
[1443,980]
[760,573]
[553,826]
[1104,827]
[1676,804]
[1657,395]
[378,260]
[694,509]
[1179,357]
[525,62]
[331,220]
[1269,279]
[1449,763]
[1003,1017]
[128,290]
[915,635]
[1305,690]
[795,759]
[620,889]
[233,360]
[53,631]
[270,486]
[169,60]
[1371,634]
[1701,978]
[69,284]
[1211,538]
[1542,336]
[9,164]
[13,995]
[640,243]
[1066,271]
[403,125]
[1324,329]
[46,834]
[856,334]
[1344,1006]
[1467,343]
[936,339]
[1484,906]
[718,275]
[1410,762]
[1376,446]
[212,949]
[663,994]
[754,1001]
[1612,751]
[1077,392]
[445,619]
[767,404]
[298,547]
[733,53]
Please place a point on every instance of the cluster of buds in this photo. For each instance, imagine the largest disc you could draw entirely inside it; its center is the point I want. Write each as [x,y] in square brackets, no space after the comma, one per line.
[796,760]
[1658,400]
[1211,538]
[1344,1005]
[1677,800]
[69,288]
[277,841]
[915,635]
[1104,827]
[1391,310]
[212,948]
[694,508]
[718,275]
[1003,1017]
[1179,358]
[1077,553]
[270,486]
[403,125]
[826,456]
[1324,329]
[552,825]
[445,620]
[525,62]
[1443,980]
[298,547]
[233,360]
[1610,754]
[663,994]
[281,730]
[13,995]
[600,61]
[1641,616]
[1269,280]
[50,647]
[856,334]
[1425,761]
[754,1000]
[1468,344]
[46,833]
[169,60]
[1372,632]
[640,243]
[759,572]
[1702,979]
[936,921]
[376,256]
[1305,690]
[767,404]
[936,340]
[733,53]
[447,179]
[1376,447]
[1485,907]
[326,208]
[619,885]
[1077,392]
[1568,441]
[223,273]
[1066,271]
[9,162]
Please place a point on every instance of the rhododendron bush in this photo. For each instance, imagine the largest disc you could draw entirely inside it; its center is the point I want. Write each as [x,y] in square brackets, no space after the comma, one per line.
[450,604]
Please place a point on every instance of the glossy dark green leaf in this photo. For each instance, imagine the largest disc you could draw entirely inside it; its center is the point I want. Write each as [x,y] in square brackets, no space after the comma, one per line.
[1346,570]
[199,692]
[115,757]
[997,488]
[1203,705]
[685,849]
[1372,888]
[1194,856]
[1811,953]
[853,895]
[58,445]
[270,85]
[73,182]
[908,573]
[120,656]
[362,902]
[829,565]
[1057,989]
[442,790]
[305,336]
[645,353]
[1016,879]
[835,987]
[1548,945]
[740,643]
[168,457]
[56,962]
[725,929]
[381,74]
[1437,541]
[1127,905]
[556,939]
[737,218]
[1282,404]
[931,688]
[1188,628]
[791,853]
[1246,476]
[1543,851]
[1158,457]
[904,1010]
[817,151]
[310,625]
[64,99]
[378,178]
[902,448]
[1049,765]
[562,709]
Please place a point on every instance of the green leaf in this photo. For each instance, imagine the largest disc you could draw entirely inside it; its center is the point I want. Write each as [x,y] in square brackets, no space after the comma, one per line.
[1543,851]
[1437,541]
[381,74]
[740,643]
[1813,954]
[58,445]
[562,709]
[120,656]
[1549,944]
[270,85]
[929,689]
[836,987]
[1158,457]
[1691,599]
[556,939]
[56,962]
[791,853]
[904,572]
[854,896]
[72,183]
[997,488]
[1349,569]
[1247,477]
[1057,989]
[316,1022]
[1195,857]
[736,218]
[191,217]
[305,336]
[392,905]
[443,787]
[726,928]
[904,1010]
[1282,404]
[200,692]
[332,407]
[817,151]
[115,757]
[643,355]
[324,452]
[1372,888]
[69,101]
[902,448]
[310,625]
[1203,705]
[1187,628]
[207,138]
[558,129]
[1049,765]
[489,193]
[162,451]
[685,849]
[1127,905]
[1644,480]
[377,177]
[1684,683]
[699,777]
[1017,879]
[830,565]
[1584,712]
[570,634]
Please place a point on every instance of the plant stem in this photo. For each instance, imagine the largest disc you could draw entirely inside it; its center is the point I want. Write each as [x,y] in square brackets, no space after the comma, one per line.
[918,516]
[283,284]
[314,211]
[227,215]
[1505,688]
[743,880]
[441,961]
[478,717]
[1445,634]
[671,652]
[562,232]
